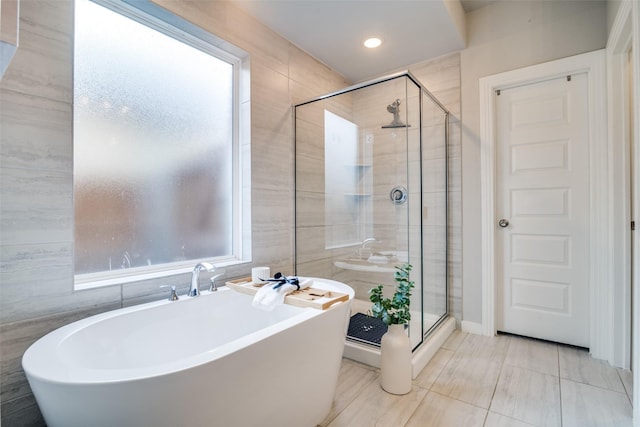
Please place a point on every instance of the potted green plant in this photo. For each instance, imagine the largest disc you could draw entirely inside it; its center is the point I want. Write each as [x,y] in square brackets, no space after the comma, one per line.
[395,345]
[394,311]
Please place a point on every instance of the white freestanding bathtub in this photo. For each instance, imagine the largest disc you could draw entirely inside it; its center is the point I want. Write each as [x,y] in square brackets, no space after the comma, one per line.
[213,360]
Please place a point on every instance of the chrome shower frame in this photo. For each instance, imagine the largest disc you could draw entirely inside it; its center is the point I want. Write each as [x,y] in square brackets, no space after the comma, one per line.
[423,92]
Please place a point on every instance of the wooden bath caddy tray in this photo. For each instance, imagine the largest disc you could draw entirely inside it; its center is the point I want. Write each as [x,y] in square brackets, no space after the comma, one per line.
[309,297]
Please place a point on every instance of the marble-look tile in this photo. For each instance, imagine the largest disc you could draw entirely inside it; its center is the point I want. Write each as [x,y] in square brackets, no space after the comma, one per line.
[454,149]
[472,373]
[301,93]
[273,246]
[584,405]
[310,243]
[437,410]
[455,216]
[441,77]
[454,182]
[37,280]
[428,376]
[352,380]
[309,136]
[578,365]
[50,18]
[309,174]
[310,209]
[497,420]
[528,396]
[36,133]
[16,337]
[627,381]
[257,39]
[455,339]
[273,209]
[37,206]
[312,73]
[268,86]
[534,355]
[271,153]
[208,15]
[135,293]
[374,406]
[23,411]
[42,65]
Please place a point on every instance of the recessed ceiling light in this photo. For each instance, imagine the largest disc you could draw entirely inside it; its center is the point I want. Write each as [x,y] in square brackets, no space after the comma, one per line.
[372,42]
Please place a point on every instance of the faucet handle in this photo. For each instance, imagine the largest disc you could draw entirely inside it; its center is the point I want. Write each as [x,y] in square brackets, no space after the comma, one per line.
[174,296]
[213,286]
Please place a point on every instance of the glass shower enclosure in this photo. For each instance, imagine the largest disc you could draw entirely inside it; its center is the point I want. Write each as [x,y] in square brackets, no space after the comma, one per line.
[371,194]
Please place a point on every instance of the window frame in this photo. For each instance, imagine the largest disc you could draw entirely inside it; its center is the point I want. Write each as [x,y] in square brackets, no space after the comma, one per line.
[159,19]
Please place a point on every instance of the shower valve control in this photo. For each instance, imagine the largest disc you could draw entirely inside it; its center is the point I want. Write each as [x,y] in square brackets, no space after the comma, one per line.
[398,195]
[503,223]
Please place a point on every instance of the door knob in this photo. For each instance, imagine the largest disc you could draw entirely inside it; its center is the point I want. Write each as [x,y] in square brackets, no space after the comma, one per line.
[503,223]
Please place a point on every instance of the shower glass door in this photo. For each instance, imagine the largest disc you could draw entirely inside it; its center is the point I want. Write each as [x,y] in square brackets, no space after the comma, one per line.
[359,194]
[434,135]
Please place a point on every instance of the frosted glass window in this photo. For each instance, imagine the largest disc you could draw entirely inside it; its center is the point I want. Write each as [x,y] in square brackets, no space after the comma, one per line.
[153,147]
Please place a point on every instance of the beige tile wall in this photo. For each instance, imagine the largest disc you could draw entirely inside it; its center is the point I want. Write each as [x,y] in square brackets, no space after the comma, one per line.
[36,261]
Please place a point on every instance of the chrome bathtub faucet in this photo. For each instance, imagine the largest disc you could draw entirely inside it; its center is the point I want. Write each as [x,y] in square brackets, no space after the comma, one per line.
[214,286]
[173,296]
[194,290]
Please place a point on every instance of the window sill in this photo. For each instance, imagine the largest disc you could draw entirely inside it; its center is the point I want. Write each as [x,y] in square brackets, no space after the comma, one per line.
[92,281]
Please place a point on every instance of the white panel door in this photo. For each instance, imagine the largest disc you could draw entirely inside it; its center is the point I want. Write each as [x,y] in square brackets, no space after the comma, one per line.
[542,192]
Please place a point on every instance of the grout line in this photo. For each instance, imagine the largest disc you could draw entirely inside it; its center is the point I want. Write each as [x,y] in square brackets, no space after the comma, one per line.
[559,386]
[624,387]
[444,367]
[486,417]
[502,364]
[418,405]
[461,401]
[584,380]
[597,386]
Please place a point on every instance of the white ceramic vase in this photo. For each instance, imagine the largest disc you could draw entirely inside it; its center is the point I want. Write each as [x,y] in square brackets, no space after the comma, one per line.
[395,361]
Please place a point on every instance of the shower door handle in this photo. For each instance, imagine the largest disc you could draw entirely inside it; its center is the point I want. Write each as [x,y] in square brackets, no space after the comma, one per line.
[503,223]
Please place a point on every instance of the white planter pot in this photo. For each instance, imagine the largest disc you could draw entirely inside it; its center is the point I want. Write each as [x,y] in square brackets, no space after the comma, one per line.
[395,361]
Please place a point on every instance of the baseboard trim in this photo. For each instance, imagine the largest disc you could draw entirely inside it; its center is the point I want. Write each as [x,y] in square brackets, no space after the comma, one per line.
[471,327]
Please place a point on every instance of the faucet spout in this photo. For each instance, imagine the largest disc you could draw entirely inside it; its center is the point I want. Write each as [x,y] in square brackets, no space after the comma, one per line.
[194,290]
[367,242]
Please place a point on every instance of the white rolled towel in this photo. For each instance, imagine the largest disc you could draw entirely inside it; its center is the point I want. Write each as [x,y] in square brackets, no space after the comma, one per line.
[267,297]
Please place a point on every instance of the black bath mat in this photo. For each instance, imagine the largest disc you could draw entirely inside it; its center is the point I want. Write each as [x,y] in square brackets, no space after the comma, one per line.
[366,329]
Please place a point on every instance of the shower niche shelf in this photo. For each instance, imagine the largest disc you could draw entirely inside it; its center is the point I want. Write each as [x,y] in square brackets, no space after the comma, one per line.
[361,189]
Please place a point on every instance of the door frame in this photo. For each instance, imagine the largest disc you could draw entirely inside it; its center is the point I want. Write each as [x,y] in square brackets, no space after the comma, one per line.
[624,31]
[618,45]
[600,293]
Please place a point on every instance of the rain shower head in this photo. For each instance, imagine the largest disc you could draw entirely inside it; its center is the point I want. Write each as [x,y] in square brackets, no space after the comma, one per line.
[394,108]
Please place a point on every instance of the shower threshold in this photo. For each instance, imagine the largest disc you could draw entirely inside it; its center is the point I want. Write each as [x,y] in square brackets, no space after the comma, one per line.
[369,354]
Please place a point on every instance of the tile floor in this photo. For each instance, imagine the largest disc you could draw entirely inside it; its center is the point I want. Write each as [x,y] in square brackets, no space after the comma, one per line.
[502,381]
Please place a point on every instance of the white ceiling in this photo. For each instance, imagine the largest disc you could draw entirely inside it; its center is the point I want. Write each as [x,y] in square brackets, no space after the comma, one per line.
[333,30]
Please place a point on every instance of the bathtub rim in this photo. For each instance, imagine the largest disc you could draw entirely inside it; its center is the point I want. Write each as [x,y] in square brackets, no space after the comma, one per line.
[39,366]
